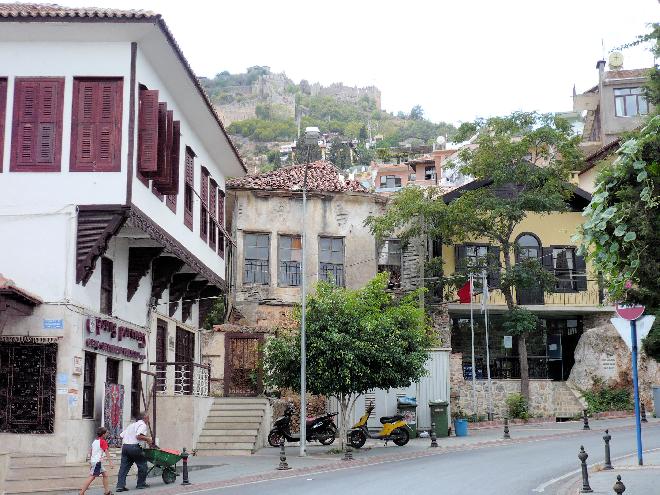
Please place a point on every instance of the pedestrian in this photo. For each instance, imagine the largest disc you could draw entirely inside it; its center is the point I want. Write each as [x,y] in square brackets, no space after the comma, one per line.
[97,453]
[131,452]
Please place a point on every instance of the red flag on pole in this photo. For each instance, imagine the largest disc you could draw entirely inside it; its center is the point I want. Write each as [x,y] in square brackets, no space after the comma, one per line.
[464,293]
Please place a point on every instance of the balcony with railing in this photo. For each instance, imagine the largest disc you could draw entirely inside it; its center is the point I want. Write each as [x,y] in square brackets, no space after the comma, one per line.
[182,378]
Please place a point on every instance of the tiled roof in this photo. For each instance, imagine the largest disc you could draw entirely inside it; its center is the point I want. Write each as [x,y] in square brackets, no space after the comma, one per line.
[35,10]
[626,74]
[7,286]
[321,176]
[48,12]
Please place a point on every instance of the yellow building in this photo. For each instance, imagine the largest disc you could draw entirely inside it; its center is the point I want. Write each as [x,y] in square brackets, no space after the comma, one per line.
[575,303]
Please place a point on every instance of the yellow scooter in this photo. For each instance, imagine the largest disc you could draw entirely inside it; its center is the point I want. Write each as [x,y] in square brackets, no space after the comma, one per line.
[394,428]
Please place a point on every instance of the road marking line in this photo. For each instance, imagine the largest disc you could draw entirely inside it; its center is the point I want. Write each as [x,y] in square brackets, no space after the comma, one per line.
[545,485]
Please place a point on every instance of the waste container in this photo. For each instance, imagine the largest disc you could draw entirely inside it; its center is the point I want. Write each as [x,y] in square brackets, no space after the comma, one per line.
[656,400]
[461,427]
[407,407]
[439,417]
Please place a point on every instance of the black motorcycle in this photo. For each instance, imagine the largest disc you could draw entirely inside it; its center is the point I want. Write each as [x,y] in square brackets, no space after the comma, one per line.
[321,428]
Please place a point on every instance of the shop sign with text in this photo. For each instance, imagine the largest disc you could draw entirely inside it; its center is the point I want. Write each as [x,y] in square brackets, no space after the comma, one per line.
[109,337]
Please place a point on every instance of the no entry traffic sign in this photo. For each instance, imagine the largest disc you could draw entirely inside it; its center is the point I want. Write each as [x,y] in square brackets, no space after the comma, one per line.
[629,312]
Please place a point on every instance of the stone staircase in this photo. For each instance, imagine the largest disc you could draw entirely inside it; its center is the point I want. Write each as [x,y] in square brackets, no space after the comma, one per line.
[232,426]
[568,401]
[48,474]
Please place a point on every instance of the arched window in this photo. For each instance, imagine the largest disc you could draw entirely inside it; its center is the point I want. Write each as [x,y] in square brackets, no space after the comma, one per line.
[528,247]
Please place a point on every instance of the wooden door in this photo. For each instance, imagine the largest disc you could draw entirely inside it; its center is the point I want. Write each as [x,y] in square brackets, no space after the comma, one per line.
[243,373]
[184,354]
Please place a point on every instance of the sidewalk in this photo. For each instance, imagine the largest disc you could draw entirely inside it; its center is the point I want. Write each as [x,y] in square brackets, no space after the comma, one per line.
[216,471]
[637,479]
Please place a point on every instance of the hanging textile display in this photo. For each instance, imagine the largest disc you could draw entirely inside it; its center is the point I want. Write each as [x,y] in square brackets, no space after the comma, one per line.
[113,410]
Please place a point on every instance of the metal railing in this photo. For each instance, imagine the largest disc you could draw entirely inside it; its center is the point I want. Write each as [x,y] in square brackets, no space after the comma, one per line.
[504,368]
[183,378]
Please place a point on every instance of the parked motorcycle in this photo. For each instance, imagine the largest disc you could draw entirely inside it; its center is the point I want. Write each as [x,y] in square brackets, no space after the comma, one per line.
[394,429]
[321,428]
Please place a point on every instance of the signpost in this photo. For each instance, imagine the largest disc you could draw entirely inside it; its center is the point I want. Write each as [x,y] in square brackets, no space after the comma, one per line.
[631,314]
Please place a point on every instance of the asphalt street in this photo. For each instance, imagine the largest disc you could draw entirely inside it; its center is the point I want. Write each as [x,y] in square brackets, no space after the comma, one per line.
[522,468]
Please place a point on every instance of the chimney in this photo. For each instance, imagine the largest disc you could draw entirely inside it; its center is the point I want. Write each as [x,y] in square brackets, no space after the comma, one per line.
[600,65]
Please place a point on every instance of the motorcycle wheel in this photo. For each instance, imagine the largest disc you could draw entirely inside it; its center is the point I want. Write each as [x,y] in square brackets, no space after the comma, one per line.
[327,438]
[357,439]
[275,439]
[400,436]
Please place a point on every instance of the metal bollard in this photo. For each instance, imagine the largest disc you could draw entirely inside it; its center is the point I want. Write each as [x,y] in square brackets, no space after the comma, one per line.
[184,458]
[506,429]
[283,464]
[585,474]
[643,409]
[434,437]
[619,487]
[348,453]
[608,462]
[585,418]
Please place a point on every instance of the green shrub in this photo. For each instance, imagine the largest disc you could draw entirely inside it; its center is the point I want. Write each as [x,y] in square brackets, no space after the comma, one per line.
[602,398]
[516,405]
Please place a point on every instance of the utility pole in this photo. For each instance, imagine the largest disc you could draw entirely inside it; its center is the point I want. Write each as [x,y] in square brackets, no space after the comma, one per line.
[311,137]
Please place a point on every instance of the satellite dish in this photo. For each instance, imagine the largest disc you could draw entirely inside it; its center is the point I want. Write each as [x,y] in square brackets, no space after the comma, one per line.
[616,60]
[441,140]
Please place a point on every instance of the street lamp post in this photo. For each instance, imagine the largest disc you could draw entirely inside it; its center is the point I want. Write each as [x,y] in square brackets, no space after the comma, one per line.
[312,135]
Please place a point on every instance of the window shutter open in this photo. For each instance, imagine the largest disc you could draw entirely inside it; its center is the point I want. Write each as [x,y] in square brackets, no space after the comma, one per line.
[221,208]
[172,185]
[581,273]
[96,126]
[461,254]
[163,179]
[546,260]
[148,132]
[188,191]
[161,142]
[37,124]
[494,266]
[3,116]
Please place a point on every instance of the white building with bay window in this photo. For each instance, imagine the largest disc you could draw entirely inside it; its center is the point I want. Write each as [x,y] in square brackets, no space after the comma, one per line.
[112,174]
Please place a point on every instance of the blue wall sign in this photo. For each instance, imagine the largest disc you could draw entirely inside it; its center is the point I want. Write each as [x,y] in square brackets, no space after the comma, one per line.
[48,324]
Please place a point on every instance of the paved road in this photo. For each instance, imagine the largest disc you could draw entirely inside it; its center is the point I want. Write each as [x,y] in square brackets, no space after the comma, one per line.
[527,468]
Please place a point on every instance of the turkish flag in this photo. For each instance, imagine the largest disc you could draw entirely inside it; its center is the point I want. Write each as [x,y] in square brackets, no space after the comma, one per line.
[464,293]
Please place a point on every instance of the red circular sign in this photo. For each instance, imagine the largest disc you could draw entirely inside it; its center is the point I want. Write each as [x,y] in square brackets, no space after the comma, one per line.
[629,313]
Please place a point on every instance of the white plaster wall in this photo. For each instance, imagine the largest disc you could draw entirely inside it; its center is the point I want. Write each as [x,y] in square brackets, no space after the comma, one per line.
[144,199]
[36,249]
[48,190]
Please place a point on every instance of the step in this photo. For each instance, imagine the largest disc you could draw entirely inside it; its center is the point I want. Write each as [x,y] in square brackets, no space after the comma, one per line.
[232,425]
[238,407]
[228,431]
[47,482]
[249,422]
[219,445]
[37,459]
[239,413]
[216,452]
[227,438]
[30,472]
[240,400]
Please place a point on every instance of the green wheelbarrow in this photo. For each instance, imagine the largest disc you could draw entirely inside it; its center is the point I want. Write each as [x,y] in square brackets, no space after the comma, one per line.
[165,460]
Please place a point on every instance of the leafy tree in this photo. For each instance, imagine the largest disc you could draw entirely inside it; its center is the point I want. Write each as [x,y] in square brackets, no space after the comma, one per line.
[507,158]
[357,340]
[340,153]
[274,158]
[417,112]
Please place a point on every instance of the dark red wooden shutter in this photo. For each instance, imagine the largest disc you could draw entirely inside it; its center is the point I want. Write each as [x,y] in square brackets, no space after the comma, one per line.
[221,208]
[96,125]
[3,116]
[213,194]
[148,132]
[188,191]
[37,125]
[163,179]
[203,208]
[161,143]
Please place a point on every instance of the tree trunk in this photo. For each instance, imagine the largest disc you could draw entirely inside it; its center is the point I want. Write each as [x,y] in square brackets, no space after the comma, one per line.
[346,405]
[522,339]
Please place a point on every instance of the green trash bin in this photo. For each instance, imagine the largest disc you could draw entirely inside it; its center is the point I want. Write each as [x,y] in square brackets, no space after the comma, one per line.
[440,416]
[409,412]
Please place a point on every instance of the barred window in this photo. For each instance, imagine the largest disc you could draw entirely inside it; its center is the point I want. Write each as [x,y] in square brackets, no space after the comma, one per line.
[290,260]
[256,248]
[331,260]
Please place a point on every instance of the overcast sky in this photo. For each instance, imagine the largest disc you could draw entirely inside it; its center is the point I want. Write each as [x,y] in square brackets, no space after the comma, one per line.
[457,59]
